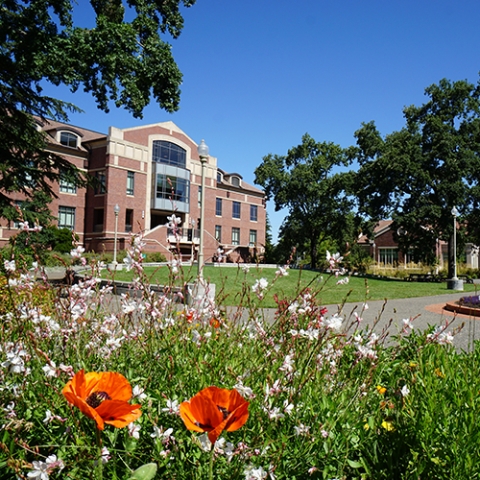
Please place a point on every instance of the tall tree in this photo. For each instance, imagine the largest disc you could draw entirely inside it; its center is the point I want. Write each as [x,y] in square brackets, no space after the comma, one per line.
[119,61]
[418,174]
[304,182]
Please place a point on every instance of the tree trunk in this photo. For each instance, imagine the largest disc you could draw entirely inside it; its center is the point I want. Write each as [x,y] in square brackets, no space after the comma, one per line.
[313,253]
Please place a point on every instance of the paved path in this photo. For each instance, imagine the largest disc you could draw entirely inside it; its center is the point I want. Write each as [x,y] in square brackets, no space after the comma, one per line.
[425,311]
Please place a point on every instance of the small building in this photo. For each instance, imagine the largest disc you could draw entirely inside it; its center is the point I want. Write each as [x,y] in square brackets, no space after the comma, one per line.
[152,172]
[385,250]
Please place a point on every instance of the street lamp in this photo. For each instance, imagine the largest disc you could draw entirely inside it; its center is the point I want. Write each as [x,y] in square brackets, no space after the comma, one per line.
[454,283]
[203,154]
[455,215]
[116,210]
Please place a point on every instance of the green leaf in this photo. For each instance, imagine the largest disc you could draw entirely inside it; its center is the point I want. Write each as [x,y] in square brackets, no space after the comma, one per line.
[354,464]
[145,472]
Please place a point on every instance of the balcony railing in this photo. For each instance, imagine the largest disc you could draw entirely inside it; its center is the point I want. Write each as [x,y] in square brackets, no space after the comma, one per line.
[184,235]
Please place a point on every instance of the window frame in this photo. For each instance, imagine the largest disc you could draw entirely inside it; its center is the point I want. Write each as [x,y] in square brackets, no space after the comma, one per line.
[71,139]
[68,212]
[64,186]
[236,209]
[255,236]
[130,183]
[254,213]
[218,233]
[235,236]
[218,207]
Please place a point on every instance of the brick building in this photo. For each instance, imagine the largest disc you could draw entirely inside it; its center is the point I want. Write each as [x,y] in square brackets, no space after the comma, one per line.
[151,172]
[385,251]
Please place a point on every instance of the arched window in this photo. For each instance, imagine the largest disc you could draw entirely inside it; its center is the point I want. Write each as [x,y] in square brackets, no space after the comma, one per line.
[235,181]
[169,153]
[69,139]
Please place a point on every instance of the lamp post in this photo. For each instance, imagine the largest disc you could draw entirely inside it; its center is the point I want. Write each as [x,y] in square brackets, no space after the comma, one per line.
[454,283]
[455,215]
[203,154]
[116,210]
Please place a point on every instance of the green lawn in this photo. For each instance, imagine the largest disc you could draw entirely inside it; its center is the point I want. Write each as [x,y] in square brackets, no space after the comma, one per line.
[233,285]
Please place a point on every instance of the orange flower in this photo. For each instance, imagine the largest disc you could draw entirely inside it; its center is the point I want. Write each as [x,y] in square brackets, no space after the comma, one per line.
[213,410]
[103,397]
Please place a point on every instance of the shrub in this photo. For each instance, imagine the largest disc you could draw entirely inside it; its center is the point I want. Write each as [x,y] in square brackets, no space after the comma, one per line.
[326,397]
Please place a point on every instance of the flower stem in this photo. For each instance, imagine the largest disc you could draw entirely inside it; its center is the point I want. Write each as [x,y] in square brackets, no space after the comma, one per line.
[210,473]
[99,468]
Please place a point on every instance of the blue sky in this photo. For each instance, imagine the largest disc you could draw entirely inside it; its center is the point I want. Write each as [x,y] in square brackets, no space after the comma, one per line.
[258,74]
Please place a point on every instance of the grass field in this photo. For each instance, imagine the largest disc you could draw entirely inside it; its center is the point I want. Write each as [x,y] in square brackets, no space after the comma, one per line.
[233,284]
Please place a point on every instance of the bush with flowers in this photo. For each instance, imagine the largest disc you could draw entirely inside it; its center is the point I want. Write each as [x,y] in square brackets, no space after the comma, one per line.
[136,386]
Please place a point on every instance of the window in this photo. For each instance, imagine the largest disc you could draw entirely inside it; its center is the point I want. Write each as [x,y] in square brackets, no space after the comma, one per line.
[199,196]
[235,209]
[218,207]
[235,236]
[235,181]
[218,233]
[388,256]
[253,238]
[69,139]
[66,217]
[100,183]
[253,213]
[98,220]
[130,183]
[128,220]
[219,177]
[173,188]
[169,154]
[66,186]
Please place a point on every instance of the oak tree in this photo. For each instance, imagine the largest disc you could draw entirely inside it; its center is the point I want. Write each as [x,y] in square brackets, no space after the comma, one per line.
[418,174]
[308,184]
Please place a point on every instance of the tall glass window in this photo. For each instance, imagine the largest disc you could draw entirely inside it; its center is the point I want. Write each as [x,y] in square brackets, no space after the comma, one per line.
[235,209]
[130,183]
[218,233]
[253,238]
[100,183]
[128,220]
[218,207]
[66,186]
[169,154]
[253,213]
[388,256]
[235,236]
[66,217]
[172,188]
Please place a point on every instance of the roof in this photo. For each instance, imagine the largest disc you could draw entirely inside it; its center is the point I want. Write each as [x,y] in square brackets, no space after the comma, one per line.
[380,228]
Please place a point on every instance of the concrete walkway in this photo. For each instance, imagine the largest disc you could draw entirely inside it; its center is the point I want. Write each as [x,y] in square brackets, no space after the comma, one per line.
[425,311]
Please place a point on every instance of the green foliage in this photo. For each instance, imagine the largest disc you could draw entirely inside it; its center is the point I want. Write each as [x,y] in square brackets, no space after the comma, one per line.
[358,259]
[325,402]
[119,61]
[155,257]
[41,245]
[417,175]
[303,181]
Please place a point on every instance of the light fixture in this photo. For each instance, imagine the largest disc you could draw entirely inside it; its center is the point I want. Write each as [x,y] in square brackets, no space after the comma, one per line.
[203,154]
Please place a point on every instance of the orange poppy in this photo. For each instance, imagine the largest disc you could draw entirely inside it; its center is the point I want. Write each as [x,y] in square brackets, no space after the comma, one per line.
[213,410]
[103,397]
